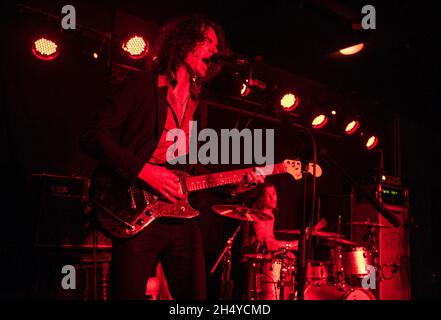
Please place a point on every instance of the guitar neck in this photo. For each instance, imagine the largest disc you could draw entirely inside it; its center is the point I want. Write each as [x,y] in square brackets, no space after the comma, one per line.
[230,177]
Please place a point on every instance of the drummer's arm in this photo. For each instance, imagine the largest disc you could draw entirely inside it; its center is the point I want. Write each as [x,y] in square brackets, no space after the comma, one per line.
[274,245]
[264,234]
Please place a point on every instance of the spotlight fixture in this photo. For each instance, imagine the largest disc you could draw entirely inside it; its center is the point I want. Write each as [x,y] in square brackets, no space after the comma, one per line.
[371,142]
[136,47]
[319,121]
[352,50]
[351,127]
[289,101]
[45,49]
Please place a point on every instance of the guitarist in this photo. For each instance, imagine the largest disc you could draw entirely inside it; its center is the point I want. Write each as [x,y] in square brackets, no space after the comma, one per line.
[128,139]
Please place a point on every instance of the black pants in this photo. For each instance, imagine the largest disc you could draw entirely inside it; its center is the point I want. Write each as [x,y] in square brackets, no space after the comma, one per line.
[176,244]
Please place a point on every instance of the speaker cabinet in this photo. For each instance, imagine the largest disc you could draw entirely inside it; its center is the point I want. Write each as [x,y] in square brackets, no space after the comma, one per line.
[65,236]
[63,215]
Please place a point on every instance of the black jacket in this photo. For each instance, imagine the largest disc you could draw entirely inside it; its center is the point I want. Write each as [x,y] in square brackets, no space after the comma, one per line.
[126,131]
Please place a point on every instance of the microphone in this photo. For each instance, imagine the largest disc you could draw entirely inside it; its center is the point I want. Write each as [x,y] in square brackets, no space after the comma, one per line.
[230,61]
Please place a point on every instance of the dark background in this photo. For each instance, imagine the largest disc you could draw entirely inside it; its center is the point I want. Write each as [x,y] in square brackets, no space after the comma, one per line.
[46,105]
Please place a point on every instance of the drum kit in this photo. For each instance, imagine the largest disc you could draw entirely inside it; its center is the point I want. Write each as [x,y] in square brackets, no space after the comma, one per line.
[272,276]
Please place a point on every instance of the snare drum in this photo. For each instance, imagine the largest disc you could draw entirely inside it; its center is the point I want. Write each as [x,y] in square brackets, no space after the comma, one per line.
[266,275]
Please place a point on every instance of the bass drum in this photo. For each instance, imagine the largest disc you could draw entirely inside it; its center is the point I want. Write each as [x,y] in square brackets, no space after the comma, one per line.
[326,291]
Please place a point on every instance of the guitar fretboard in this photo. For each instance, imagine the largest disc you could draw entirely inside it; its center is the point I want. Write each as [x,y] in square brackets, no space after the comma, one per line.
[230,177]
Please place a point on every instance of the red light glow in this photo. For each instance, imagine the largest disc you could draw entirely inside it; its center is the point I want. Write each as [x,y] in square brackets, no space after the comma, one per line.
[319,121]
[245,90]
[372,142]
[289,102]
[352,50]
[136,47]
[45,49]
[351,127]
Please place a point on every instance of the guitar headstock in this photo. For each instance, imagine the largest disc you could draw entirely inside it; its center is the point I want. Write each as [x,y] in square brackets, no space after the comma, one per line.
[294,168]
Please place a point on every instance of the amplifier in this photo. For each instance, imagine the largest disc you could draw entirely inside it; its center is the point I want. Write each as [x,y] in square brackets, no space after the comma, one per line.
[63,213]
[393,197]
[393,243]
[386,179]
[63,186]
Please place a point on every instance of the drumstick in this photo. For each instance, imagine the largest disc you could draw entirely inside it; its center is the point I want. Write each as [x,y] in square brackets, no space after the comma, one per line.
[320,225]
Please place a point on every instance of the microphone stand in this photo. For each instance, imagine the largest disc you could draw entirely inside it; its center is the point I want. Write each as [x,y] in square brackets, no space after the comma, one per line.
[372,200]
[226,283]
[371,239]
[303,243]
[302,260]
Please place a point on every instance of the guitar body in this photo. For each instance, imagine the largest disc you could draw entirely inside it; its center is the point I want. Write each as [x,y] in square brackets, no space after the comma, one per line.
[124,210]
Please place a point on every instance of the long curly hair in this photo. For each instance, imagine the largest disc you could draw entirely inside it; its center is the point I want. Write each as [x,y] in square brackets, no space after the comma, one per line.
[179,37]
[256,199]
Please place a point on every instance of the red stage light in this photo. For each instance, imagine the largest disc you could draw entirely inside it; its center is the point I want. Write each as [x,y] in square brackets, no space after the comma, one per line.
[45,49]
[136,47]
[352,50]
[289,102]
[245,90]
[372,142]
[319,121]
[351,127]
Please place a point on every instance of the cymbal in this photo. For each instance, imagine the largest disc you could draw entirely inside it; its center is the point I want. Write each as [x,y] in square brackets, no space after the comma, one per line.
[241,213]
[368,224]
[344,241]
[323,234]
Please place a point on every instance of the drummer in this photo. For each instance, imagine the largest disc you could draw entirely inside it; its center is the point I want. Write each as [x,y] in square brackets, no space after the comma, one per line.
[258,240]
[258,236]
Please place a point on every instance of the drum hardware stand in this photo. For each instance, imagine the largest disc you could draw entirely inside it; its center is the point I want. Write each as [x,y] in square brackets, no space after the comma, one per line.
[226,284]
[339,280]
[283,272]
[339,276]
[372,248]
[257,273]
[371,239]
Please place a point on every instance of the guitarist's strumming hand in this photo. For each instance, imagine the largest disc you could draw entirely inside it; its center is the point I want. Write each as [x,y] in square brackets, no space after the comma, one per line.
[162,180]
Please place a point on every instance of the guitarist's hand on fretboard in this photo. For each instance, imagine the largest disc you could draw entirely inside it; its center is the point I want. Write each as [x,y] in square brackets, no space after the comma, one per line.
[162,180]
[250,180]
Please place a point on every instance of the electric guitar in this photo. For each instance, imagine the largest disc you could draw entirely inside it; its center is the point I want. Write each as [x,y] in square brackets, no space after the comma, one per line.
[124,210]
